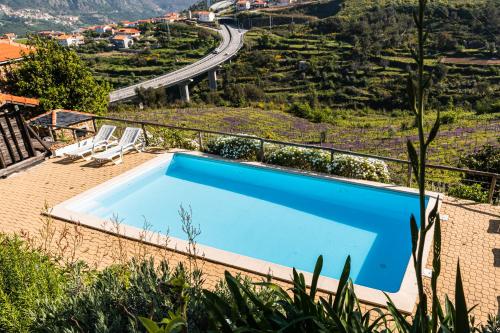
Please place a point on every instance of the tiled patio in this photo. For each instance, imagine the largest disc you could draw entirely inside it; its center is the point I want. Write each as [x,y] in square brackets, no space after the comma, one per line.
[472,232]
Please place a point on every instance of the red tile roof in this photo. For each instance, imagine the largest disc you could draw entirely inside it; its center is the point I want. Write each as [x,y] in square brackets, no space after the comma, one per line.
[10,51]
[7,98]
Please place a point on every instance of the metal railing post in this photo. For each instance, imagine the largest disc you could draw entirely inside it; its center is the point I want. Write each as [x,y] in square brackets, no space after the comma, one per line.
[491,192]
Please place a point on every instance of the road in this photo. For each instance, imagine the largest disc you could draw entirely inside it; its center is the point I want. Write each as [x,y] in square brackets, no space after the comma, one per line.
[232,41]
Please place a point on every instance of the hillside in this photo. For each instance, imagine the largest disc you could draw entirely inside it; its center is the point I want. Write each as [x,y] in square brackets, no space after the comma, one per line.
[326,56]
[22,16]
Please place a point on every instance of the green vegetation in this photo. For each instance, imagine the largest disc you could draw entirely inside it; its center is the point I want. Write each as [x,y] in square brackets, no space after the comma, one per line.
[364,130]
[28,279]
[337,59]
[58,77]
[156,52]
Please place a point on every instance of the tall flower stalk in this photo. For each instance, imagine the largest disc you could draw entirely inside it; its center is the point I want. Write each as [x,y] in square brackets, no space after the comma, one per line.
[418,85]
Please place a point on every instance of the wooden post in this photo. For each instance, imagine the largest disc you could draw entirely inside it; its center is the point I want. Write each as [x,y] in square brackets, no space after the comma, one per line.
[7,142]
[21,123]
[146,142]
[3,165]
[491,192]
[14,138]
[94,124]
[260,158]
[200,140]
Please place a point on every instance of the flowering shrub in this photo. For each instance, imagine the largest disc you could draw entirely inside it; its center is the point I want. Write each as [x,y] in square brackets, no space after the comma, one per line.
[302,158]
[233,147]
[359,167]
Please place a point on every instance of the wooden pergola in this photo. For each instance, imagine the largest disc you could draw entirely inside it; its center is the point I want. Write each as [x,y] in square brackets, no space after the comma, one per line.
[17,149]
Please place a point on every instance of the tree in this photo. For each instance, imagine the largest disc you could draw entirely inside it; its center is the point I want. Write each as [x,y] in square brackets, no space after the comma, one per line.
[59,78]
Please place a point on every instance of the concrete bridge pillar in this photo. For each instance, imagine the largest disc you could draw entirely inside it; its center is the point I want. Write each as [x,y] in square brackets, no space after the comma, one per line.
[184,90]
[212,80]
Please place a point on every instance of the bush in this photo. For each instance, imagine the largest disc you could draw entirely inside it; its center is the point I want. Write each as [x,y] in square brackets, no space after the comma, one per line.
[448,118]
[485,159]
[302,158]
[359,167]
[28,279]
[487,106]
[111,300]
[234,147]
[471,192]
[169,138]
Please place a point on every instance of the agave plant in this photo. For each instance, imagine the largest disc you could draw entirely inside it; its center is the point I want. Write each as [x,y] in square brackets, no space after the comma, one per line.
[302,311]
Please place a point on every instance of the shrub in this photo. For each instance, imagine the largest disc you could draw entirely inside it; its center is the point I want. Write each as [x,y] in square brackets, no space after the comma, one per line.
[111,300]
[234,147]
[471,192]
[448,118]
[27,280]
[359,167]
[488,106]
[302,158]
[169,138]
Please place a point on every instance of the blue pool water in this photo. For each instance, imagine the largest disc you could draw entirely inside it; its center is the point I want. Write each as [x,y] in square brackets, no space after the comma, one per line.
[276,216]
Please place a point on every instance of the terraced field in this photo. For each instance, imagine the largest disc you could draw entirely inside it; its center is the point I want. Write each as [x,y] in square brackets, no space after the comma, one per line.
[330,56]
[154,54]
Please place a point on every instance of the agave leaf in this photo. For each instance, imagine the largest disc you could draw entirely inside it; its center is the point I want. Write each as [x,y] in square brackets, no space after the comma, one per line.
[317,272]
[216,311]
[400,321]
[235,289]
[461,318]
[344,277]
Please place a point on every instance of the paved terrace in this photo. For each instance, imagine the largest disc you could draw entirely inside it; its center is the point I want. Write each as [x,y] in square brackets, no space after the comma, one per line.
[471,233]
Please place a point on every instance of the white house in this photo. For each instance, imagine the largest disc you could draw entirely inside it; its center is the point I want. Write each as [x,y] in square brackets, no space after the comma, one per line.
[242,5]
[122,41]
[102,29]
[70,40]
[206,16]
[131,32]
[284,2]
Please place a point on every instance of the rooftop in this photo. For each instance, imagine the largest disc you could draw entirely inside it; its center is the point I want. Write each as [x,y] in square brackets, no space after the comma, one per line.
[61,117]
[11,51]
[7,98]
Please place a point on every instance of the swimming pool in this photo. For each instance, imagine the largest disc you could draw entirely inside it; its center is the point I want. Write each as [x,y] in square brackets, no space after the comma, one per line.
[264,217]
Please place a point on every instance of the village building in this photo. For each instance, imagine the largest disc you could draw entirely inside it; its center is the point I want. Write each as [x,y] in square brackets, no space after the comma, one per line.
[285,2]
[50,33]
[104,29]
[259,4]
[70,40]
[18,100]
[242,5]
[9,36]
[10,53]
[205,16]
[128,24]
[122,41]
[132,33]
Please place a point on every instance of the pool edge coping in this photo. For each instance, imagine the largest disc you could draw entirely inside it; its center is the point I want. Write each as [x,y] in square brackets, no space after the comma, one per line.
[405,299]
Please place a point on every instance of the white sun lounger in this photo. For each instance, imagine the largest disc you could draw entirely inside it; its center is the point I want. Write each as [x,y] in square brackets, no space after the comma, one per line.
[130,140]
[103,138]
